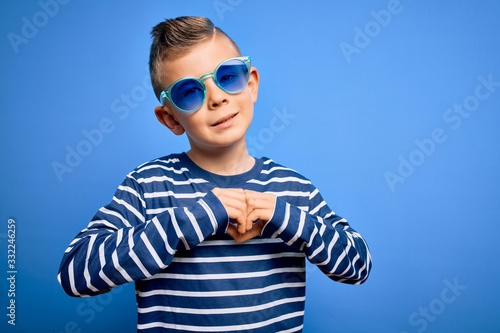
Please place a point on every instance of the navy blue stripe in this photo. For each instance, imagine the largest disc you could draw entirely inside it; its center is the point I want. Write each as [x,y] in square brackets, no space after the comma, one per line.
[264,270]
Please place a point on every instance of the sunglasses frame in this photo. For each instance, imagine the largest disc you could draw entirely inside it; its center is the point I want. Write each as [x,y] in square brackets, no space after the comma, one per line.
[165,94]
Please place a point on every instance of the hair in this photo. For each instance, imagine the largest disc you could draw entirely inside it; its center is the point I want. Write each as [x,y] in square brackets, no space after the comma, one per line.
[174,38]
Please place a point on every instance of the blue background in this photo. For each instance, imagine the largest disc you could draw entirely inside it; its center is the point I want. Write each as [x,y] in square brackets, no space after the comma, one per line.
[363,93]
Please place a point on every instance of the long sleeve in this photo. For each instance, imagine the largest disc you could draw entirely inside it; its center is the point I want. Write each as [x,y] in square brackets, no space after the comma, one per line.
[326,238]
[119,245]
[165,230]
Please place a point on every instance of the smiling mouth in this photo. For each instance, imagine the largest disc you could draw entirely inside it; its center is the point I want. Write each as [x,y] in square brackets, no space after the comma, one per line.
[223,120]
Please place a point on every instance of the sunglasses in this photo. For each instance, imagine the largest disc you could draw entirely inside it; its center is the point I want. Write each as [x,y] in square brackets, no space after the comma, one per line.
[189,93]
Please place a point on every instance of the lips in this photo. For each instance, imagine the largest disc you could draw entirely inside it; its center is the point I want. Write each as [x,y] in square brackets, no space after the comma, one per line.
[224,119]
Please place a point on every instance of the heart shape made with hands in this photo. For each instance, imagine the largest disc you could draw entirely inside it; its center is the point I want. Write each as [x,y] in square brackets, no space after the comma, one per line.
[244,207]
[239,237]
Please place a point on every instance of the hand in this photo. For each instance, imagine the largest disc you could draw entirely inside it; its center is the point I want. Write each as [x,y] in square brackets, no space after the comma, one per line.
[260,206]
[252,233]
[250,210]
[234,201]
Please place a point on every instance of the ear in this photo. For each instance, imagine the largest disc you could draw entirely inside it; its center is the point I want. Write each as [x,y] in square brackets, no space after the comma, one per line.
[253,83]
[167,118]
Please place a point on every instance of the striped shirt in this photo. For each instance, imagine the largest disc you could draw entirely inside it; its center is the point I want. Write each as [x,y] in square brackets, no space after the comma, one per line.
[165,230]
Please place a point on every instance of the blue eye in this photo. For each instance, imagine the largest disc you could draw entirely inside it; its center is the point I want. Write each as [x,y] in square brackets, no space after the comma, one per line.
[185,88]
[227,78]
[191,91]
[187,93]
[233,76]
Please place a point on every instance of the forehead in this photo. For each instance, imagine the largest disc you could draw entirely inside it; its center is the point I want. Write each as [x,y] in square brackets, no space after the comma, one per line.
[200,60]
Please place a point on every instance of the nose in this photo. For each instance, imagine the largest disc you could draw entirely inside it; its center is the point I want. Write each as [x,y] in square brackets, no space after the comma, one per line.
[216,97]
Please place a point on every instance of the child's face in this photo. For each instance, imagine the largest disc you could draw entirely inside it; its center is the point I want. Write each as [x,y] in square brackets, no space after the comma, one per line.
[224,118]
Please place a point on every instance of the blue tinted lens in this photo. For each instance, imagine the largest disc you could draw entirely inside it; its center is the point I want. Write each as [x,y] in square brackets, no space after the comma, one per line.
[232,76]
[187,94]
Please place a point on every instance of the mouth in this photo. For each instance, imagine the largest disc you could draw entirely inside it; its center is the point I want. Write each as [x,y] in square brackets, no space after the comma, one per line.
[224,119]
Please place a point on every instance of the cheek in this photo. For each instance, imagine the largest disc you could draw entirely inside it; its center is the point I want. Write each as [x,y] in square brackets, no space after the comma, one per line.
[247,99]
[253,97]
[191,122]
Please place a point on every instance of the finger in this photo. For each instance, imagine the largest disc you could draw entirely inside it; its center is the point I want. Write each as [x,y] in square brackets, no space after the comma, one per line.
[237,211]
[249,220]
[242,225]
[248,235]
[260,206]
[233,232]
[239,237]
[255,216]
[234,201]
[225,194]
[251,205]
[237,217]
[234,205]
[256,200]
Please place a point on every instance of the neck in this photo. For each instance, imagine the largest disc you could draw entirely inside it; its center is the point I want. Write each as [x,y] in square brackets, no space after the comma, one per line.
[226,161]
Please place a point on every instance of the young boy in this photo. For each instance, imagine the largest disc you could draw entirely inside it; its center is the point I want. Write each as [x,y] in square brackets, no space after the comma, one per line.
[214,239]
